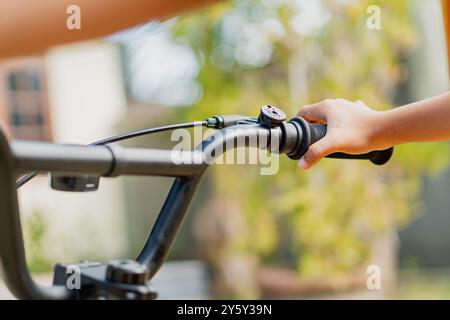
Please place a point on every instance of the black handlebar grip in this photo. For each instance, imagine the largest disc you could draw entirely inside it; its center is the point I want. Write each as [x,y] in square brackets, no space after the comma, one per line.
[309,133]
[317,131]
[378,157]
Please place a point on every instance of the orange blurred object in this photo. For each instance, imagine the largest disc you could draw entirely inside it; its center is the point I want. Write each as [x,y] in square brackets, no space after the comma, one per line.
[446,11]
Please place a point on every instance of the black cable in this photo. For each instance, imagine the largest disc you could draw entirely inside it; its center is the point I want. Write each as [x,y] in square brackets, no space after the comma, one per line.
[139,133]
[30,175]
[27,177]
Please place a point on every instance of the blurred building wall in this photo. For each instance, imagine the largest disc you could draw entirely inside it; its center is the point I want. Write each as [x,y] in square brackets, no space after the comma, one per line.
[86,99]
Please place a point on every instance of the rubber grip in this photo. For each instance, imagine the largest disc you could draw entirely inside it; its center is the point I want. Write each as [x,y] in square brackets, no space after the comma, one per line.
[378,157]
[317,132]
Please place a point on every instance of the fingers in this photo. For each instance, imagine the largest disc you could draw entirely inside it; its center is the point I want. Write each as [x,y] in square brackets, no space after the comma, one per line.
[316,152]
[313,113]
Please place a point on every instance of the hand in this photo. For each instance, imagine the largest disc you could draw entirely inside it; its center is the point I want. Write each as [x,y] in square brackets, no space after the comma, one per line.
[351,128]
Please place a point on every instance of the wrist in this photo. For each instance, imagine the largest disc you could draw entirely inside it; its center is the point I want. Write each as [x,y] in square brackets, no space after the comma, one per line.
[380,134]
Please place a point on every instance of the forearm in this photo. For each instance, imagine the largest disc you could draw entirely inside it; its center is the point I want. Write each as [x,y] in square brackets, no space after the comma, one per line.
[427,120]
[28,27]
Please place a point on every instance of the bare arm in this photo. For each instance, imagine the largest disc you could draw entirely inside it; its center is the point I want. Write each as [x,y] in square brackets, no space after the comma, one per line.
[355,128]
[427,120]
[30,26]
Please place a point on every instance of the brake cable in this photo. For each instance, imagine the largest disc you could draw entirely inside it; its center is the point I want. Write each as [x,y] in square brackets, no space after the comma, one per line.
[215,122]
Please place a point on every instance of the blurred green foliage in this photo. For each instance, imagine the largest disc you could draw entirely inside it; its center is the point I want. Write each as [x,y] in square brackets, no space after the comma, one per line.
[415,284]
[254,53]
[35,228]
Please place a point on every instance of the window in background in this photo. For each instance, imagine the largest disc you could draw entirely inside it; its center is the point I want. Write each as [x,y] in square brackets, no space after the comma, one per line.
[27,107]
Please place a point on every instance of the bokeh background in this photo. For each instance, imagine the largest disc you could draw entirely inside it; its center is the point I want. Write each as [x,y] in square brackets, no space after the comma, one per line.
[292,235]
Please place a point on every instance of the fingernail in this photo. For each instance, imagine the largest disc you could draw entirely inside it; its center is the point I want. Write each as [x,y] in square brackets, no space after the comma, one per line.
[303,164]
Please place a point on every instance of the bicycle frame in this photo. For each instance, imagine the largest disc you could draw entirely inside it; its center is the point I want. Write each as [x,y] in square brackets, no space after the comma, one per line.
[78,168]
[18,157]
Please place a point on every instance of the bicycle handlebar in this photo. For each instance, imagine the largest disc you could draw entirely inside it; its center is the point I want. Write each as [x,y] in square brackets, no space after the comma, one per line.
[309,133]
[292,138]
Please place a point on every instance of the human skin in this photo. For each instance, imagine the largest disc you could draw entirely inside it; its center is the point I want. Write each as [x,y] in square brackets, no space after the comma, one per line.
[354,128]
[31,26]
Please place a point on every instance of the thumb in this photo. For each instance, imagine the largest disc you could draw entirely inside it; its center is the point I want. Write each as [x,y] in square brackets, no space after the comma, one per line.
[315,152]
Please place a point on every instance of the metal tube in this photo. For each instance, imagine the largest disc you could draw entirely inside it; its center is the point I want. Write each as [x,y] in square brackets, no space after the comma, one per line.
[156,162]
[42,156]
[177,202]
[103,160]
[12,253]
[167,224]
